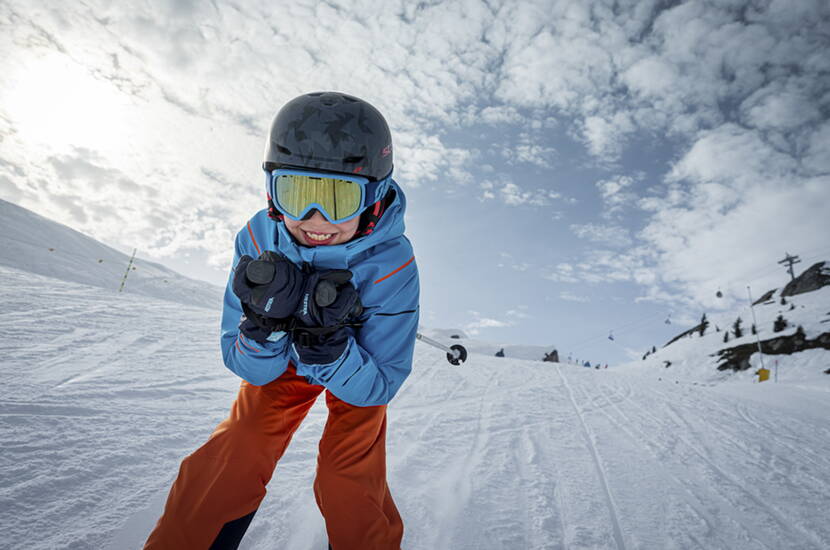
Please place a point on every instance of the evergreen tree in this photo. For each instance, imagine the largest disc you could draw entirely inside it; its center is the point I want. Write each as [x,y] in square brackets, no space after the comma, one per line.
[799,333]
[783,301]
[754,330]
[779,324]
[725,337]
[704,323]
[653,349]
[736,328]
[717,328]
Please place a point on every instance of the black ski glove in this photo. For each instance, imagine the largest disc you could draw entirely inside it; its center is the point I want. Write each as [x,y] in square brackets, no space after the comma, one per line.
[259,328]
[272,290]
[329,300]
[335,304]
[271,287]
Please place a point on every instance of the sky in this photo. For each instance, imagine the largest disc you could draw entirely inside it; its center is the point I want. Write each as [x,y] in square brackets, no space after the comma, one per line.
[574,171]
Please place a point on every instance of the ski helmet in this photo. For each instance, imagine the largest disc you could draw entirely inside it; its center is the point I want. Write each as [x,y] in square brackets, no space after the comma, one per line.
[331,132]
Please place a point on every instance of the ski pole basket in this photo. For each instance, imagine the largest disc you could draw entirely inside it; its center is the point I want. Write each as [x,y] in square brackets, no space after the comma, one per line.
[456,354]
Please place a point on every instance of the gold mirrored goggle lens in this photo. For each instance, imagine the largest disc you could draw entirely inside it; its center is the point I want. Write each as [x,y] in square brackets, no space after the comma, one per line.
[338,197]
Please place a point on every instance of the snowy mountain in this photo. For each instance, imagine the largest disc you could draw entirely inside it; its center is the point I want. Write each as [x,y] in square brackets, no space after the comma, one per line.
[99,404]
[792,325]
[32,243]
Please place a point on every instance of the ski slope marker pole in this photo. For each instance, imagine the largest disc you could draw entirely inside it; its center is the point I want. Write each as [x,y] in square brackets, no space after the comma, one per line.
[456,354]
[755,322]
[129,265]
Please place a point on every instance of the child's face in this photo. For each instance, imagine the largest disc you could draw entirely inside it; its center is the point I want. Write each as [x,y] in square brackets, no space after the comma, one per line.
[305,231]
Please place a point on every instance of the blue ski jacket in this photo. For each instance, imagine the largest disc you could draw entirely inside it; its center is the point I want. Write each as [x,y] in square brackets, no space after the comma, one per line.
[378,357]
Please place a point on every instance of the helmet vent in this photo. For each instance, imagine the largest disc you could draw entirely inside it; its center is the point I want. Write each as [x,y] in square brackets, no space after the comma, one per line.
[352,160]
[283,150]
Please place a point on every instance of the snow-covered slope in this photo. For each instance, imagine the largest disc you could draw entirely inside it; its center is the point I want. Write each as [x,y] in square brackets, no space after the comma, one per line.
[32,243]
[695,357]
[99,404]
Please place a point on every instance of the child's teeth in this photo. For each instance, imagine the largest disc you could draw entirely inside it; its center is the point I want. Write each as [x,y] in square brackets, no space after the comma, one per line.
[318,237]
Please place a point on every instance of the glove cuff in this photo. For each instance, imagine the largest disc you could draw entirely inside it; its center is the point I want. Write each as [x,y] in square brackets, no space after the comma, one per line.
[320,346]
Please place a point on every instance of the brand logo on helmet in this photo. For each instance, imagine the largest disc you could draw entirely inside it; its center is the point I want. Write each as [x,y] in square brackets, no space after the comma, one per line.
[386,151]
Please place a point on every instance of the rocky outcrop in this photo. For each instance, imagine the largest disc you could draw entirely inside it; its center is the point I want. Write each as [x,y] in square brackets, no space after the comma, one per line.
[683,334]
[767,295]
[737,358]
[552,357]
[813,279]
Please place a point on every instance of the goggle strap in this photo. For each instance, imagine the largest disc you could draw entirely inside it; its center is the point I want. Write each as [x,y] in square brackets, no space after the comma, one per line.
[370,219]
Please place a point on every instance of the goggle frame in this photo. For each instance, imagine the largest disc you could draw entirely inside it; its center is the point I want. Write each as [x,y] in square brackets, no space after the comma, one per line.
[271,180]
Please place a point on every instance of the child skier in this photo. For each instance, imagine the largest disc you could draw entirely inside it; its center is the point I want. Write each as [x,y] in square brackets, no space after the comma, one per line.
[323,296]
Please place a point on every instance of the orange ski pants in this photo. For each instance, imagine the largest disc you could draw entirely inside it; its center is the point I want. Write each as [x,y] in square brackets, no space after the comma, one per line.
[224,480]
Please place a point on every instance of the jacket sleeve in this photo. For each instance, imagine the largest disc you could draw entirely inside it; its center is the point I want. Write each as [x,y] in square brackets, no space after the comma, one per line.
[378,357]
[257,363]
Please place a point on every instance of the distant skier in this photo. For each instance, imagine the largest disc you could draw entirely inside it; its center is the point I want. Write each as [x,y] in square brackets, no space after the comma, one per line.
[331,306]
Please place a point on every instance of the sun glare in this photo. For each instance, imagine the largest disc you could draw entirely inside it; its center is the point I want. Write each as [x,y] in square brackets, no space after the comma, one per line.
[56,102]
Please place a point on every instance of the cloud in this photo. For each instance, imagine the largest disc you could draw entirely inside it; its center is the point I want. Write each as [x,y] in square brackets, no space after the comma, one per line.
[616,194]
[479,322]
[734,93]
[562,273]
[612,235]
[571,297]
[508,260]
[605,136]
[519,313]
[608,266]
[497,115]
[529,149]
[510,194]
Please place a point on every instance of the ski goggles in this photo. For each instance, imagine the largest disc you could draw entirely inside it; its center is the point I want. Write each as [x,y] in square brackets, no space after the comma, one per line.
[338,198]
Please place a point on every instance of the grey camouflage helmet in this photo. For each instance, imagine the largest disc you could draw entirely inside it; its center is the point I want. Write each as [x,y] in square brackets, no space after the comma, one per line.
[330,131]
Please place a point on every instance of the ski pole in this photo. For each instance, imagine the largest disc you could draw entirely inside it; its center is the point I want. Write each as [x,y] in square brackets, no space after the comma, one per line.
[456,354]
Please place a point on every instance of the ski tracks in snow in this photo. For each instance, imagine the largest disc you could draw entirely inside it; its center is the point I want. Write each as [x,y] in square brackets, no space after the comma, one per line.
[700,461]
[600,469]
[469,459]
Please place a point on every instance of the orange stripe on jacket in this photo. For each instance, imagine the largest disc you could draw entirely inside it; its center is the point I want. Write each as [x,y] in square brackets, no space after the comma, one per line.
[246,344]
[238,348]
[251,233]
[403,266]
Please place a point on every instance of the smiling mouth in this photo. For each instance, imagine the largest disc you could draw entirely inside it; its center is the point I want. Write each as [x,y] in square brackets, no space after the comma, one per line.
[318,238]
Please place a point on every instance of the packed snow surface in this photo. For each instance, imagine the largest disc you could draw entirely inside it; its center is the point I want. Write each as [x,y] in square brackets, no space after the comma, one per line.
[102,395]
